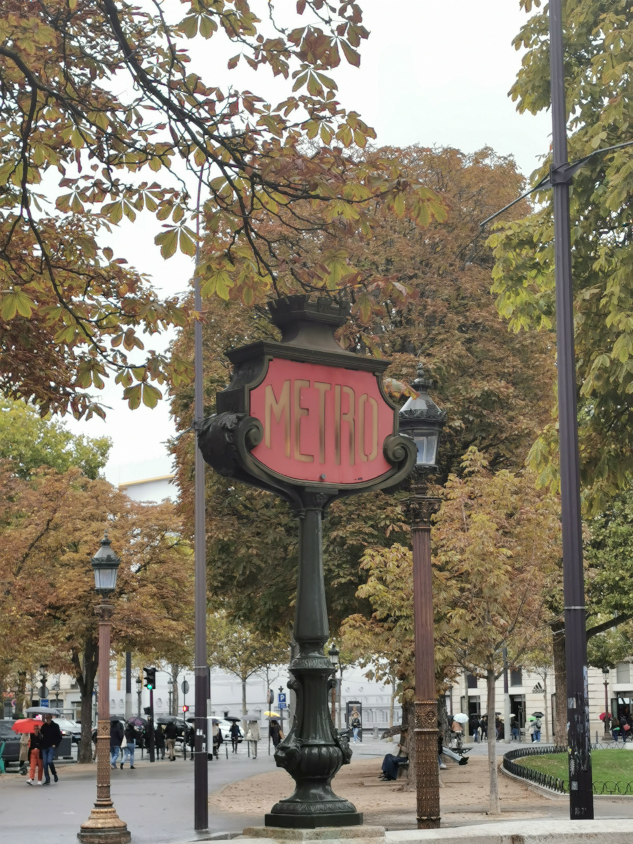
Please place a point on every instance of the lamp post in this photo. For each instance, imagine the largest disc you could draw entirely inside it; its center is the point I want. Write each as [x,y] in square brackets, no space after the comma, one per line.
[333,654]
[104,825]
[605,676]
[139,692]
[422,420]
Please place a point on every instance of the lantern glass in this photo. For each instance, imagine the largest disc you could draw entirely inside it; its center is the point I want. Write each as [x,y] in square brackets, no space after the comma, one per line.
[333,654]
[105,578]
[426,445]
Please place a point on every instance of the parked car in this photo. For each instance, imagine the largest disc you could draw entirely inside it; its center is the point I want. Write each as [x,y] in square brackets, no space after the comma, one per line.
[69,728]
[11,741]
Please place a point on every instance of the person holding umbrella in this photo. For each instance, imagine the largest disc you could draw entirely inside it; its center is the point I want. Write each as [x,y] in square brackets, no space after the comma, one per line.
[130,745]
[51,738]
[35,755]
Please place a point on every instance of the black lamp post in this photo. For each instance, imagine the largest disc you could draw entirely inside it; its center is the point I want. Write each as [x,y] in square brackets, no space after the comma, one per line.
[605,676]
[422,420]
[139,691]
[333,654]
[104,824]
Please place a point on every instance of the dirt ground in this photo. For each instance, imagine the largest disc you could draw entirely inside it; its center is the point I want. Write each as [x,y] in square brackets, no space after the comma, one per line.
[464,795]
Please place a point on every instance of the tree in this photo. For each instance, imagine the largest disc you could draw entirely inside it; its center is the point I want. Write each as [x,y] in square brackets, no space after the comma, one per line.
[241,650]
[485,380]
[496,547]
[31,442]
[72,314]
[51,526]
[599,91]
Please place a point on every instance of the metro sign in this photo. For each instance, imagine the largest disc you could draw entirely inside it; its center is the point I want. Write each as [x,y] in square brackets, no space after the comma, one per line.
[303,413]
[321,423]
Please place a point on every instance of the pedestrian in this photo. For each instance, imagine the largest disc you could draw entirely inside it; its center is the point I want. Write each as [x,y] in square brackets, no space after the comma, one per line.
[252,737]
[130,745]
[24,753]
[159,742]
[234,732]
[275,732]
[537,729]
[355,723]
[474,726]
[51,738]
[35,756]
[171,734]
[191,740]
[217,738]
[515,730]
[484,727]
[116,737]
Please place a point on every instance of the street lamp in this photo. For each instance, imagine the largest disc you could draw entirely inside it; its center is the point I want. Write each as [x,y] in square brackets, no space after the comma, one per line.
[422,420]
[605,674]
[333,654]
[104,824]
[139,692]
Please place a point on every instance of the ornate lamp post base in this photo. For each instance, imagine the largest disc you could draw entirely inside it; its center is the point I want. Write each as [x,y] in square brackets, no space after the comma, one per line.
[104,826]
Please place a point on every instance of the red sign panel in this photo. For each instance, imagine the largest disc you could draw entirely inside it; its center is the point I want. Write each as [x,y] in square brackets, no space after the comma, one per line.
[322,424]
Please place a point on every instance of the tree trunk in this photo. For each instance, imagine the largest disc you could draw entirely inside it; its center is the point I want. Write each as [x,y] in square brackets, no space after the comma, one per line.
[21,701]
[85,672]
[175,671]
[560,678]
[244,703]
[492,745]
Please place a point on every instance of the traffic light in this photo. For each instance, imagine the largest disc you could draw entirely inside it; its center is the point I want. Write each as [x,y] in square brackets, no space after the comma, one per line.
[150,678]
[185,708]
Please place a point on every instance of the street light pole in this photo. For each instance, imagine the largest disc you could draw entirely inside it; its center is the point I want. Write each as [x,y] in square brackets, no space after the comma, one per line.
[605,675]
[579,738]
[333,654]
[104,824]
[422,420]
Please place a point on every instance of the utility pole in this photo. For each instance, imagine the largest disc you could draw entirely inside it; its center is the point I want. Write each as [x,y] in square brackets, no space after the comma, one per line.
[201,769]
[579,738]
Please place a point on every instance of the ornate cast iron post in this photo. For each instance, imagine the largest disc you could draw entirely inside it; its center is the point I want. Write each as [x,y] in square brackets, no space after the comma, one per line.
[104,825]
[422,420]
[309,421]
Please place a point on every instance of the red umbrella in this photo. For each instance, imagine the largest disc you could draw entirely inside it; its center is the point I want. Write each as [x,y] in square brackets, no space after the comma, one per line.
[603,715]
[25,725]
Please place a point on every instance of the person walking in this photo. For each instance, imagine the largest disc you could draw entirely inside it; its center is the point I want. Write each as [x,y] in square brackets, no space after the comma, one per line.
[252,737]
[355,723]
[191,740]
[116,737]
[217,738]
[171,734]
[24,753]
[35,756]
[275,732]
[130,746]
[159,742]
[51,738]
[234,732]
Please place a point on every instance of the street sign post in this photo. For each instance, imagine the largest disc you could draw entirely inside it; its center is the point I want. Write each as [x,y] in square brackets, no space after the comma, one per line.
[309,421]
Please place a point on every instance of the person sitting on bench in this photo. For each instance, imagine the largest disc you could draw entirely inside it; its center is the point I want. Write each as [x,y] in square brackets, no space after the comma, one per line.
[392,762]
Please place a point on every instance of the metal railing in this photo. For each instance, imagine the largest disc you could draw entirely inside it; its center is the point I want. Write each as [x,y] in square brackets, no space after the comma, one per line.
[561,786]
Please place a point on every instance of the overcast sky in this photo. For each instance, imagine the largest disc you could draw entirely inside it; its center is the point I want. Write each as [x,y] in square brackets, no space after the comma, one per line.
[432,73]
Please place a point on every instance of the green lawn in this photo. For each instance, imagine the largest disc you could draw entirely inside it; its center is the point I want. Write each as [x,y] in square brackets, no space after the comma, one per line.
[608,766]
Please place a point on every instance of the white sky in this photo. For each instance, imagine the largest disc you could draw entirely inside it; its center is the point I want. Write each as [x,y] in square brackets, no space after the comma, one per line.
[432,73]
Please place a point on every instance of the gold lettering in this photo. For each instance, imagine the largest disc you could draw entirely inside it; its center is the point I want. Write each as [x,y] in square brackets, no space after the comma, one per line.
[277,408]
[349,418]
[337,424]
[321,386]
[299,411]
[373,454]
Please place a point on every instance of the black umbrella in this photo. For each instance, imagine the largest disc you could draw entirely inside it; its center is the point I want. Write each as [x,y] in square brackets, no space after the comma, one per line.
[115,718]
[539,714]
[137,721]
[231,718]
[168,719]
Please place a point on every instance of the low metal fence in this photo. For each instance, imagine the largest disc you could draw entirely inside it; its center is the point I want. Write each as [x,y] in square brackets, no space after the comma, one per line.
[616,787]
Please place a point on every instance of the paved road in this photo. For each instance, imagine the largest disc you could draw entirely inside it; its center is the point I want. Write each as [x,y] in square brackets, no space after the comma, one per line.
[155,800]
